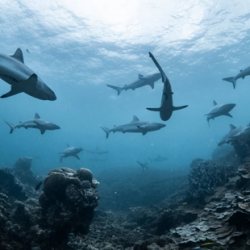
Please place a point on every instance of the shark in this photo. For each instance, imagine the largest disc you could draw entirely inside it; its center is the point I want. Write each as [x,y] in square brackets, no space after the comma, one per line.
[143,165]
[242,135]
[243,73]
[158,159]
[230,136]
[22,79]
[135,126]
[97,151]
[142,81]
[166,109]
[220,109]
[37,123]
[70,151]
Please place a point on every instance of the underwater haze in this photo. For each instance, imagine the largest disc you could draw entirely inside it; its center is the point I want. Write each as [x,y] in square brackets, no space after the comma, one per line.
[78,47]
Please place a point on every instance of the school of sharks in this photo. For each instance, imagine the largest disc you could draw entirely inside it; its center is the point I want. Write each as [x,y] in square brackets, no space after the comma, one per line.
[22,79]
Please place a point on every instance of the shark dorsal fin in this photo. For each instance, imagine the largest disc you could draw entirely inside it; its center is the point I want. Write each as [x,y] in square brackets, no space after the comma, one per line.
[135,119]
[37,116]
[232,126]
[215,103]
[140,76]
[18,55]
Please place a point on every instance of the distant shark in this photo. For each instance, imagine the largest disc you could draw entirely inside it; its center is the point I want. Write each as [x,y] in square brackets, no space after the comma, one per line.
[220,109]
[158,159]
[242,74]
[22,78]
[167,107]
[70,151]
[97,151]
[142,81]
[37,123]
[144,166]
[135,126]
[230,136]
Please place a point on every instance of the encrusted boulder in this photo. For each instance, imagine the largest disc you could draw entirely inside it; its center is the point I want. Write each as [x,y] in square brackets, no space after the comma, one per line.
[22,171]
[10,187]
[205,175]
[67,202]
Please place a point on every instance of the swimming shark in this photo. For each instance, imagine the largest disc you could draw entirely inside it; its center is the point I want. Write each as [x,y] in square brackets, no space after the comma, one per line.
[144,166]
[242,134]
[70,151]
[22,78]
[142,81]
[97,151]
[229,137]
[158,159]
[37,123]
[242,74]
[135,126]
[220,109]
[166,109]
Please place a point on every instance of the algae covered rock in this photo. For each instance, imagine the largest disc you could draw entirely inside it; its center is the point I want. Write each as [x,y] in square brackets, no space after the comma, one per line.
[67,202]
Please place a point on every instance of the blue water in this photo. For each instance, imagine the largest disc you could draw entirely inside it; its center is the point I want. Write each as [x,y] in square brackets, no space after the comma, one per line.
[77,47]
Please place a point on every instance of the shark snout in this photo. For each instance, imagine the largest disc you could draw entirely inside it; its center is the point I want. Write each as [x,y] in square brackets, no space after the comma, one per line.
[161,125]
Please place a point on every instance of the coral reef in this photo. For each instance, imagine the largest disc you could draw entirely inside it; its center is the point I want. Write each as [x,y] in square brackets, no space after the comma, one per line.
[66,207]
[205,175]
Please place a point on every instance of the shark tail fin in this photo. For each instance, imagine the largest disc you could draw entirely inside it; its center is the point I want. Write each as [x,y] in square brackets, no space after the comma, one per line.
[106,130]
[178,108]
[230,79]
[12,127]
[154,109]
[118,89]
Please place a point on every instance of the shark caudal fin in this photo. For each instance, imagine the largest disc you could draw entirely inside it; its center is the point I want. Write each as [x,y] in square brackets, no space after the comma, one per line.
[106,130]
[231,79]
[178,108]
[12,127]
[118,89]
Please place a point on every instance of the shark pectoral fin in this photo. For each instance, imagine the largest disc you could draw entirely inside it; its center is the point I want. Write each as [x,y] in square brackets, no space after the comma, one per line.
[76,156]
[142,129]
[154,109]
[42,130]
[228,114]
[178,108]
[152,85]
[14,90]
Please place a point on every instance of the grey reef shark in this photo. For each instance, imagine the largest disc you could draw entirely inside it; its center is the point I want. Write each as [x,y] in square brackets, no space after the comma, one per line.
[232,135]
[220,109]
[37,123]
[22,79]
[242,74]
[70,151]
[143,165]
[166,109]
[142,81]
[158,159]
[97,151]
[135,126]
